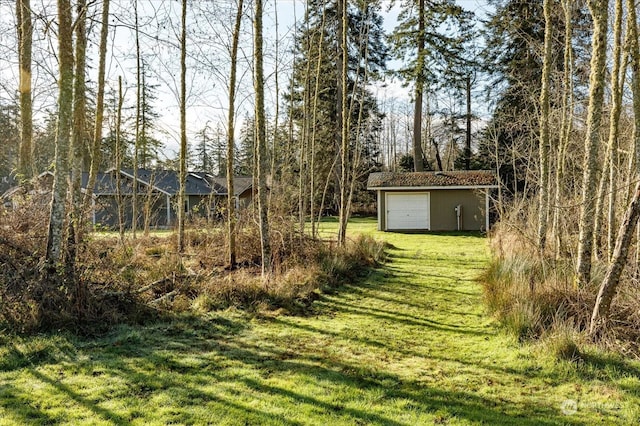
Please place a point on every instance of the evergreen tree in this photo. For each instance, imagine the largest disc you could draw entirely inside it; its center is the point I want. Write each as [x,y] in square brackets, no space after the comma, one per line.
[203,150]
[9,134]
[245,155]
[429,39]
[208,154]
[149,146]
[45,140]
[513,59]
[313,96]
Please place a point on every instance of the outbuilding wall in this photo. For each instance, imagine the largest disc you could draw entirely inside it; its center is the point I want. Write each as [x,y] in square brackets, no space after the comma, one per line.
[443,214]
[443,203]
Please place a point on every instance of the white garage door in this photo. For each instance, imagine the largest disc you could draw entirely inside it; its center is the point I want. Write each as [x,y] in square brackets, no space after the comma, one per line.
[408,210]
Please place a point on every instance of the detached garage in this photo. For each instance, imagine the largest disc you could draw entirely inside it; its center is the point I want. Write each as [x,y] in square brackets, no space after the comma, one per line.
[433,201]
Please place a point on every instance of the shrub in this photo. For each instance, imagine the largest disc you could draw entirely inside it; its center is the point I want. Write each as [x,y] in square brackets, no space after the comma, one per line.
[536,299]
[135,280]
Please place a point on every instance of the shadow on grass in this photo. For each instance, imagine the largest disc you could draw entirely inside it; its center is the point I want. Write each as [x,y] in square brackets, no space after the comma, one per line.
[598,366]
[195,363]
[72,394]
[20,408]
[181,358]
[267,359]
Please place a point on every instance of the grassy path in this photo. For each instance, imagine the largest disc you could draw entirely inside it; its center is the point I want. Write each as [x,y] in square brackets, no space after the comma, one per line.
[411,345]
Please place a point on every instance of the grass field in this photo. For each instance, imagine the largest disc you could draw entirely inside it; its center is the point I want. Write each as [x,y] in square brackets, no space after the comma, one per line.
[409,345]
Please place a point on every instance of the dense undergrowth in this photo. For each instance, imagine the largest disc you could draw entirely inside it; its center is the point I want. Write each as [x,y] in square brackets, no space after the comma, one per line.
[536,299]
[132,281]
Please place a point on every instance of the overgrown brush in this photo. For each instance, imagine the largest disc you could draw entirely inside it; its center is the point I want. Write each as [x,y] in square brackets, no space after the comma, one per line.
[34,297]
[536,298]
[134,280]
[305,267]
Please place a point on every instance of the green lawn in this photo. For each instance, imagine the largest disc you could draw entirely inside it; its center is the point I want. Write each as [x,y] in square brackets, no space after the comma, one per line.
[409,345]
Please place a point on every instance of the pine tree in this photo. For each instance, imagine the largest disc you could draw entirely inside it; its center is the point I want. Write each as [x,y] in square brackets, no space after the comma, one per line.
[313,97]
[149,147]
[9,131]
[427,51]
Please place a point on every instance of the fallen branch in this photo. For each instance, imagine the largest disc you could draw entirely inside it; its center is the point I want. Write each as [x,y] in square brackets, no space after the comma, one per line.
[153,284]
[165,297]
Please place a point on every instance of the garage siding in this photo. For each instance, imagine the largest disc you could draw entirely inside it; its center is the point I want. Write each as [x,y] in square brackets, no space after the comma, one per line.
[442,209]
[443,214]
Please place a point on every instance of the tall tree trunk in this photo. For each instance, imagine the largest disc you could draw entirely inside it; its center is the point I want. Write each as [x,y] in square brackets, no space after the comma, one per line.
[96,151]
[261,141]
[78,134]
[183,127]
[436,149]
[617,86]
[608,177]
[55,237]
[231,203]
[467,144]
[136,144]
[316,96]
[566,124]
[418,164]
[544,187]
[78,144]
[304,139]
[26,164]
[119,201]
[599,12]
[276,115]
[344,123]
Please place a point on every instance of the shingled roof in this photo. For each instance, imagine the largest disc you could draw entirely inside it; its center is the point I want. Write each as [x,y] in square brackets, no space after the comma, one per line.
[458,178]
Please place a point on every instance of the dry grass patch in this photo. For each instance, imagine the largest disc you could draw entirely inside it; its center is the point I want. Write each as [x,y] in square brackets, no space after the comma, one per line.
[133,280]
[536,298]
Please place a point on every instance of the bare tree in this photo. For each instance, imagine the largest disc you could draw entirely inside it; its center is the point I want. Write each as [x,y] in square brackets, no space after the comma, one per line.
[344,122]
[96,151]
[55,237]
[261,142]
[136,146]
[183,127]
[611,154]
[118,149]
[231,218]
[78,133]
[418,164]
[566,122]
[600,14]
[26,164]
[609,286]
[544,187]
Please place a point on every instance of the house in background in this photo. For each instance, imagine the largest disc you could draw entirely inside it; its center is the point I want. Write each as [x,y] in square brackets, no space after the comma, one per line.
[433,201]
[156,194]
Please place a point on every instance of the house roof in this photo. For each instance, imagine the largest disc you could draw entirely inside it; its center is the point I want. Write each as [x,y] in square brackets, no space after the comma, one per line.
[240,184]
[457,179]
[168,182]
[164,181]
